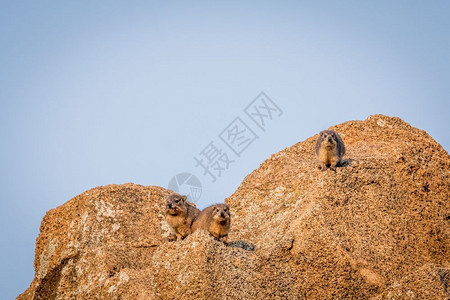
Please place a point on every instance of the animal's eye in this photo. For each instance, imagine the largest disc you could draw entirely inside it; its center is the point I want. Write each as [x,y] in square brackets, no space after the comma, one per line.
[177,200]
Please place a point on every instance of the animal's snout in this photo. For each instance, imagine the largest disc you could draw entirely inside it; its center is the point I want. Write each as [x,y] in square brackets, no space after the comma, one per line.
[222,215]
[330,139]
[169,205]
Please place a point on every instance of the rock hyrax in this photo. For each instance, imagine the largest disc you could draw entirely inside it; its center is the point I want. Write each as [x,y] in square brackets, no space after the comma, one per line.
[329,149]
[179,215]
[216,220]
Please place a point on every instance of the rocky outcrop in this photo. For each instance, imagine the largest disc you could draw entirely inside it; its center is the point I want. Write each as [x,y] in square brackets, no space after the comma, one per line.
[352,233]
[377,227]
[99,244]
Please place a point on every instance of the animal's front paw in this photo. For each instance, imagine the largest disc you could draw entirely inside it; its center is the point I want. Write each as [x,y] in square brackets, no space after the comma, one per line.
[225,240]
[172,238]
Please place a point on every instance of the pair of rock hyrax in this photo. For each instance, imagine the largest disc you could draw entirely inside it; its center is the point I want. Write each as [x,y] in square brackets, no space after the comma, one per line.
[329,150]
[184,218]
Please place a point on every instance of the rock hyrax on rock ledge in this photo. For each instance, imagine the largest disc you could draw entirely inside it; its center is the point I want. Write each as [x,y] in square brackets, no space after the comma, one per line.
[216,220]
[179,215]
[329,149]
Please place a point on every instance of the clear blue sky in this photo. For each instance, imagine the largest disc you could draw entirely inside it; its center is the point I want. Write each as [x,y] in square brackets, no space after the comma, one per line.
[100,92]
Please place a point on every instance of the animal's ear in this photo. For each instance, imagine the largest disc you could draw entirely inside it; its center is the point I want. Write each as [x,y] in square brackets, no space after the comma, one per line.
[184,198]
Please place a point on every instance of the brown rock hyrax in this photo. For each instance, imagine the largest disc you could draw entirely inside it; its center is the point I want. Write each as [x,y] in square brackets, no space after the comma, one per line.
[329,149]
[179,215]
[215,219]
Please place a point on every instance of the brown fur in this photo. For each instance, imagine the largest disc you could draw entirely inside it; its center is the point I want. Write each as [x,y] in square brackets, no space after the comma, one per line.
[215,219]
[329,149]
[179,215]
